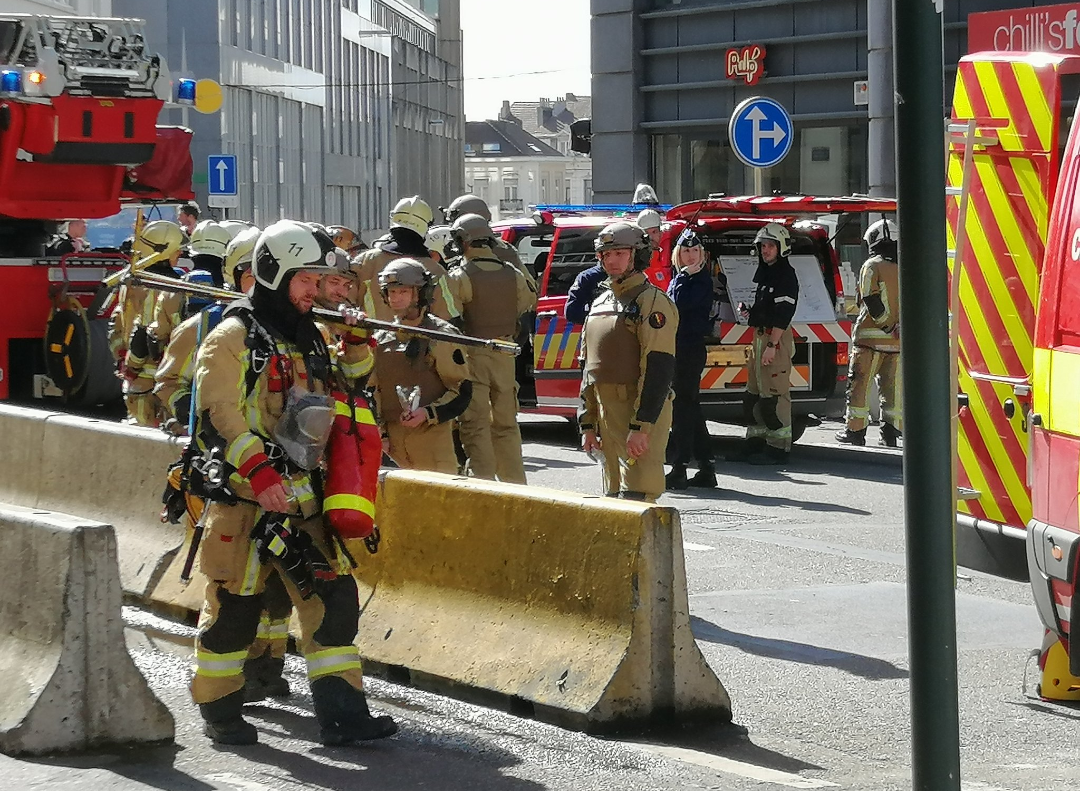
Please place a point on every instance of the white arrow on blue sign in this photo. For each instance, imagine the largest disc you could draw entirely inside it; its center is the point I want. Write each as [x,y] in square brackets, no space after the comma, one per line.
[761,132]
[221,174]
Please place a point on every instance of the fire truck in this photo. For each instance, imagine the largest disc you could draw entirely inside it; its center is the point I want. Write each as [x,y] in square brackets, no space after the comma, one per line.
[557,244]
[1014,226]
[79,104]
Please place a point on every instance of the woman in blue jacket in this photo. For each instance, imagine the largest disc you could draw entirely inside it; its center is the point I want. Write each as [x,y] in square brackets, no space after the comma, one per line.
[691,289]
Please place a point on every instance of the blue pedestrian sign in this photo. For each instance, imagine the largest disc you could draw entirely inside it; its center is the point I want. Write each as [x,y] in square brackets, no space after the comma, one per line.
[221,174]
[761,132]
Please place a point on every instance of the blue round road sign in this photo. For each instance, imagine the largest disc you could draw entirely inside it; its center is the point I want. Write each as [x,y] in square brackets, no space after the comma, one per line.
[761,132]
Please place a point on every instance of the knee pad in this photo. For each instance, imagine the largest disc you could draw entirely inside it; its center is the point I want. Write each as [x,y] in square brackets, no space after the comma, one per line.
[236,624]
[276,599]
[749,401]
[768,414]
[341,612]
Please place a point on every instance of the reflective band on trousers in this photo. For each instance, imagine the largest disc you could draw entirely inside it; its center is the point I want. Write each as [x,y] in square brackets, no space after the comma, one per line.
[273,630]
[329,661]
[211,665]
[349,502]
[363,415]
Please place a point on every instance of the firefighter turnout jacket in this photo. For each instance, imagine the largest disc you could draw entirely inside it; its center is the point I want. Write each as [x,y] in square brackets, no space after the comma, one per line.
[366,293]
[776,296]
[879,305]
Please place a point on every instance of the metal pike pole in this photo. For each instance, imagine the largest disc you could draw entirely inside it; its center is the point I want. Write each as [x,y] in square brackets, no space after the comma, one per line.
[928,401]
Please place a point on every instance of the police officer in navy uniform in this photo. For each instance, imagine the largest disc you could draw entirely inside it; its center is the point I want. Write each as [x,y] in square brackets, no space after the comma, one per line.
[767,402]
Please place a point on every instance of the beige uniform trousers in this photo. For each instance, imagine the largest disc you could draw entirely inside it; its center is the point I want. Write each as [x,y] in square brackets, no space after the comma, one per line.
[645,475]
[866,365]
[233,606]
[489,430]
[771,382]
[425,447]
[143,407]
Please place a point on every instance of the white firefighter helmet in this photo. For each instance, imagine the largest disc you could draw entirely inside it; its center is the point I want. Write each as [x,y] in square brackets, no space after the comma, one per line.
[644,193]
[241,250]
[289,246]
[775,232]
[412,213]
[234,227]
[438,237]
[649,219]
[881,231]
[209,238]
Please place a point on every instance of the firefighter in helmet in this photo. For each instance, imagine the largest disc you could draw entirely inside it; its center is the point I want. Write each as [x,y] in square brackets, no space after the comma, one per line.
[262,380]
[629,365]
[492,295]
[767,401]
[347,239]
[156,249]
[422,384]
[407,238]
[473,204]
[876,339]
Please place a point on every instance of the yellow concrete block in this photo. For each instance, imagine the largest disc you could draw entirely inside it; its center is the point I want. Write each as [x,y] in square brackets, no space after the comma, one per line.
[575,604]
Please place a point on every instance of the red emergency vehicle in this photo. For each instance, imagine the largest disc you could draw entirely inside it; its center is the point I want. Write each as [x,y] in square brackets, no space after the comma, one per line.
[79,103]
[558,244]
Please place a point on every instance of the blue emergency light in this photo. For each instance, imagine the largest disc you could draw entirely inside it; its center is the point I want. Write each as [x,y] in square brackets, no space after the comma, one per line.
[607,208]
[10,81]
[185,91]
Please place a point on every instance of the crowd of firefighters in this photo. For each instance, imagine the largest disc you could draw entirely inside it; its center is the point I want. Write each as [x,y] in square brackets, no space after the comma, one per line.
[289,416]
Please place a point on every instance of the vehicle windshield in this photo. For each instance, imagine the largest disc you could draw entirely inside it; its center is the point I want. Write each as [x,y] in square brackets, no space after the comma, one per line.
[573,254]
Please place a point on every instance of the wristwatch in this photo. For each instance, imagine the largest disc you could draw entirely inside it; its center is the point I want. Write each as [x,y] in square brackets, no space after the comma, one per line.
[771,345]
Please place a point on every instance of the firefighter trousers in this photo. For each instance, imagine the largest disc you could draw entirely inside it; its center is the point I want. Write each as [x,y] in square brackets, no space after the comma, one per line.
[866,365]
[143,407]
[768,391]
[643,476]
[229,621]
[425,447]
[488,429]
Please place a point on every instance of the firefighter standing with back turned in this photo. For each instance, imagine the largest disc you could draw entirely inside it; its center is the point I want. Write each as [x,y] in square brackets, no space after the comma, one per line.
[629,365]
[493,296]
[767,402]
[876,337]
[262,380]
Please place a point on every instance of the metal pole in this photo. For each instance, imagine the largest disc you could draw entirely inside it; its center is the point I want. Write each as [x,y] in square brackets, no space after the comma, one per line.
[924,305]
[881,141]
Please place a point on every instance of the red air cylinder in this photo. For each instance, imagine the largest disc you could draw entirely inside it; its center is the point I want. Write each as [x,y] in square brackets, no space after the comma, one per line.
[353,455]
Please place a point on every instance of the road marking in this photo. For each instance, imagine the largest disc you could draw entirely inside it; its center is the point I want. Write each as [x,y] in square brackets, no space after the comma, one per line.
[697,547]
[239,783]
[729,766]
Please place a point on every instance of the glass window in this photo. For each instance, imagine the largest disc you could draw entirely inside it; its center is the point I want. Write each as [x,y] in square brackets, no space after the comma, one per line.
[667,166]
[574,253]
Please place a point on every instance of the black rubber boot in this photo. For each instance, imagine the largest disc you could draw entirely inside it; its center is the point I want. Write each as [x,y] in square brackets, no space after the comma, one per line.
[675,480]
[889,435]
[769,456]
[705,477]
[849,437]
[749,447]
[343,714]
[223,722]
[264,678]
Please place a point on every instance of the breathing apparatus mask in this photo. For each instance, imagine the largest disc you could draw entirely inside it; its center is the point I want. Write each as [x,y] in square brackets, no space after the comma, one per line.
[304,427]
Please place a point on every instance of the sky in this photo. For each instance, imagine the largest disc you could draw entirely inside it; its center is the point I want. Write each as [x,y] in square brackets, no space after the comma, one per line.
[522,51]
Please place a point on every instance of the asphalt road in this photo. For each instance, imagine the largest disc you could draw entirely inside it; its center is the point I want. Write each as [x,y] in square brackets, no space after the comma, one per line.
[797,597]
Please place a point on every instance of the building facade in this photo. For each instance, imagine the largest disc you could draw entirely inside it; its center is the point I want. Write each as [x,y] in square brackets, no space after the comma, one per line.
[334,108]
[67,7]
[662,99]
[513,170]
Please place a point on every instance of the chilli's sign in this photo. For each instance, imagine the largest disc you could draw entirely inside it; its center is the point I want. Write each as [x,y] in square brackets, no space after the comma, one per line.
[745,63]
[1050,28]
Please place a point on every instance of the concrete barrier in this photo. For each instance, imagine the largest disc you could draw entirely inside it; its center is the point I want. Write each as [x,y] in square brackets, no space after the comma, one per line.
[100,470]
[68,680]
[569,607]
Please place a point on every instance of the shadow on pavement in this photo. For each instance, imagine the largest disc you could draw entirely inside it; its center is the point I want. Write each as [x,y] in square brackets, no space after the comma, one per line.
[735,496]
[1065,711]
[867,667]
[149,765]
[387,765]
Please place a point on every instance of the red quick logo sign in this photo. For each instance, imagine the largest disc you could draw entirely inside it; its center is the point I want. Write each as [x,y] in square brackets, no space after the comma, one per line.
[1051,28]
[746,63]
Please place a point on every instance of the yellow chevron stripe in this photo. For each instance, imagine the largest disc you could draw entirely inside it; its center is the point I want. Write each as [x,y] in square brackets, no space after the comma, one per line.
[569,355]
[998,107]
[1004,214]
[1037,105]
[968,461]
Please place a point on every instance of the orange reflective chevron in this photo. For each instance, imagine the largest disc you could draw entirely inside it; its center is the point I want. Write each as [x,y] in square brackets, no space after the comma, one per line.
[1014,101]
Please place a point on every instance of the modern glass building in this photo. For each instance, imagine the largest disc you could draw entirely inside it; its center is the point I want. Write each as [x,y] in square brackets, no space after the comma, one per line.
[663,95]
[334,108]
